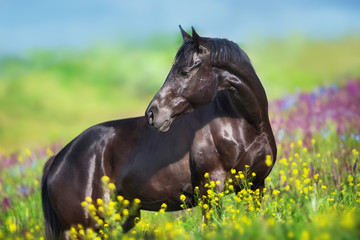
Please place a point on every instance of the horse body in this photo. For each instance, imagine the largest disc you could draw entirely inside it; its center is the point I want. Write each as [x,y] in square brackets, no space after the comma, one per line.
[224,129]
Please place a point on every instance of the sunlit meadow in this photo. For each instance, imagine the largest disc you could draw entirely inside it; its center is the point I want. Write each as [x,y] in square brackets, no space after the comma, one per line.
[313,191]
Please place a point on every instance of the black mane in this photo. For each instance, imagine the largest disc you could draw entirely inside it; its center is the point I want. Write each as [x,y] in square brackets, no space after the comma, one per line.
[221,51]
[225,51]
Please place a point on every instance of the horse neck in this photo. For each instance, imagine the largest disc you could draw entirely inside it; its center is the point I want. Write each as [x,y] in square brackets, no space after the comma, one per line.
[245,92]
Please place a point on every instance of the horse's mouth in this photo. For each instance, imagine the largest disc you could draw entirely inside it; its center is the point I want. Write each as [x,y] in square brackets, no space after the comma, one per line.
[165,126]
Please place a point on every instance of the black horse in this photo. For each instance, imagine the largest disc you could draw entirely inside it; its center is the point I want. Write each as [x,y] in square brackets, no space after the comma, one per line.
[221,109]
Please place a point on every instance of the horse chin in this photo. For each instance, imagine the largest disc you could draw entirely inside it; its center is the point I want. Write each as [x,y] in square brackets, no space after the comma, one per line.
[165,126]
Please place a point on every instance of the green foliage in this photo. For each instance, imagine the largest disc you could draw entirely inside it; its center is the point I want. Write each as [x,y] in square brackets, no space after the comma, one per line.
[285,66]
[50,95]
[312,193]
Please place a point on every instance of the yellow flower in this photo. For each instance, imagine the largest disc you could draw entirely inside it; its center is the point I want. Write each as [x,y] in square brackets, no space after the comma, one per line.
[88,199]
[126,211]
[73,231]
[355,152]
[92,207]
[253,174]
[305,235]
[162,210]
[117,217]
[182,197]
[276,192]
[120,198]
[350,178]
[99,201]
[307,180]
[218,182]
[28,152]
[137,201]
[101,209]
[206,175]
[323,187]
[233,171]
[268,178]
[112,186]
[270,222]
[163,205]
[49,152]
[11,223]
[299,143]
[268,161]
[205,206]
[105,179]
[126,202]
[112,204]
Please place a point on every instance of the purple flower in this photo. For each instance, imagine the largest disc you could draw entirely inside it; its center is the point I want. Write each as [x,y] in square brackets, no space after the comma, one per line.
[6,203]
[311,112]
[24,190]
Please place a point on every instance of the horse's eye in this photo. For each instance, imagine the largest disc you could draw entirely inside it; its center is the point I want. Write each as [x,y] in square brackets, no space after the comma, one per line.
[184,73]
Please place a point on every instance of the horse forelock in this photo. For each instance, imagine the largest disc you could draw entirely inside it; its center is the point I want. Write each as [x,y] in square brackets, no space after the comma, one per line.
[183,52]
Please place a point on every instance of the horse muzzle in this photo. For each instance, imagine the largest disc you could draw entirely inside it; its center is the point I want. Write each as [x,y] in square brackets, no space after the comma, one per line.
[158,120]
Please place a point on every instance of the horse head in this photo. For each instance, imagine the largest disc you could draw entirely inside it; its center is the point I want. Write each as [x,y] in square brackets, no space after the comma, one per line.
[190,83]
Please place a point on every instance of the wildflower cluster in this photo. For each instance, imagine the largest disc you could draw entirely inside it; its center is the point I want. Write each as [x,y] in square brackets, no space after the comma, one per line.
[108,214]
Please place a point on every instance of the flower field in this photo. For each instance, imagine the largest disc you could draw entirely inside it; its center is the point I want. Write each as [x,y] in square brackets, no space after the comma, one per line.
[313,191]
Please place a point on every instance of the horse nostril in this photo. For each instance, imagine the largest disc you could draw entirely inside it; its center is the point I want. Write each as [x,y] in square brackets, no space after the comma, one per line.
[151,117]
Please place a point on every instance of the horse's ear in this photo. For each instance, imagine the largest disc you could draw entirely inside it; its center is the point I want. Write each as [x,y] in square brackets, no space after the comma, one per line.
[198,41]
[185,35]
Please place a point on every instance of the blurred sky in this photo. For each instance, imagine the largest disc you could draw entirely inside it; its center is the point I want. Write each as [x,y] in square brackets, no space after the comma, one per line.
[30,24]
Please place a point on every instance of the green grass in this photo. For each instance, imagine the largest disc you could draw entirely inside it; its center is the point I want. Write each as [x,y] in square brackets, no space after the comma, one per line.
[299,203]
[47,96]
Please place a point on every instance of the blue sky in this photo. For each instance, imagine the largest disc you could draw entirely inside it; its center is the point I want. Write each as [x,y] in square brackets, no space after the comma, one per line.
[26,25]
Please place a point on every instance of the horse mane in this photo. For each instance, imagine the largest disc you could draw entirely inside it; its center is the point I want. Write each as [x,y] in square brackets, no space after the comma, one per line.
[225,51]
[222,51]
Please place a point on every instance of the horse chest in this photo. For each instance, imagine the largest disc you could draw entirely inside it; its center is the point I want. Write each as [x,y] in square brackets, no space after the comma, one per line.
[217,146]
